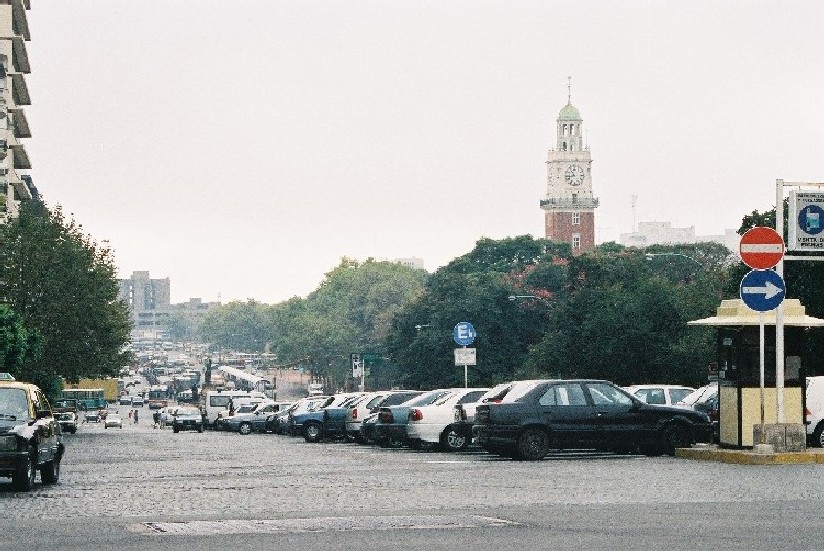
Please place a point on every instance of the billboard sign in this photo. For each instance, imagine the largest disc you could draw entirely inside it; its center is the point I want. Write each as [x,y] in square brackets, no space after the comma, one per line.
[806,221]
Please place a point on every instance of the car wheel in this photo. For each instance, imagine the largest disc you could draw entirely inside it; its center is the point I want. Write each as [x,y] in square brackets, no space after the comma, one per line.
[175,430]
[50,471]
[818,436]
[453,441]
[200,429]
[105,426]
[533,443]
[676,436]
[23,478]
[245,428]
[312,432]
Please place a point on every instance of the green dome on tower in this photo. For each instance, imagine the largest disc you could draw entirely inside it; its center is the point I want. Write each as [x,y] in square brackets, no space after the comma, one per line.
[569,113]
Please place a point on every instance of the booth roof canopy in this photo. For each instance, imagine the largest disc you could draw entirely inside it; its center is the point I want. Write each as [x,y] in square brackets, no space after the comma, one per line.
[735,312]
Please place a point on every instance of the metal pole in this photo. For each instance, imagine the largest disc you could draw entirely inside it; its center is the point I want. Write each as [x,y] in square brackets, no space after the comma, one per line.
[761,342]
[779,314]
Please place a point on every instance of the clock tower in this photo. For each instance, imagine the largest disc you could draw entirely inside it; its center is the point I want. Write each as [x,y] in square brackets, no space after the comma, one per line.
[569,205]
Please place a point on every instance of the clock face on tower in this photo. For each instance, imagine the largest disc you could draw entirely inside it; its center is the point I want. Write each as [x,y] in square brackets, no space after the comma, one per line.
[574,175]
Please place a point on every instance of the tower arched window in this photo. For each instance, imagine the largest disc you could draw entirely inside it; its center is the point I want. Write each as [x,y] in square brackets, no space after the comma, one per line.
[564,146]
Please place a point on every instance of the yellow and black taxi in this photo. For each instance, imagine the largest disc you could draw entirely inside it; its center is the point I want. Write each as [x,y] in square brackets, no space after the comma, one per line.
[30,435]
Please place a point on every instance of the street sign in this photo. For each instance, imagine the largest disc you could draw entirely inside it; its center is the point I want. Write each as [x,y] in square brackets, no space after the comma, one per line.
[465,356]
[806,221]
[357,365]
[464,334]
[762,290]
[761,248]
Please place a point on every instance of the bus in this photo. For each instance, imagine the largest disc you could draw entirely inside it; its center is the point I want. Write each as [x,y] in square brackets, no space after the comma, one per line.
[86,398]
[157,396]
[110,386]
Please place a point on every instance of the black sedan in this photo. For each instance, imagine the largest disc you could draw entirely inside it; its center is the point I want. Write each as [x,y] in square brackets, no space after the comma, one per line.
[538,416]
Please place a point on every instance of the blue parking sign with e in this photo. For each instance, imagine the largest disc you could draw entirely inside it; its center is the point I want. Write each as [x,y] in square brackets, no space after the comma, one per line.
[464,334]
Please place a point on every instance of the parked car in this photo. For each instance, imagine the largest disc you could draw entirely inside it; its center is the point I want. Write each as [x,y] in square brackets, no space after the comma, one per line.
[464,414]
[392,423]
[113,420]
[68,421]
[30,436]
[705,399]
[564,414]
[367,432]
[252,418]
[371,403]
[662,395]
[435,423]
[310,423]
[282,418]
[814,411]
[187,418]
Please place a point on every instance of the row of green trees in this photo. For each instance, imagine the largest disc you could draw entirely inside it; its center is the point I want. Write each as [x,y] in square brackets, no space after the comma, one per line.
[60,316]
[617,313]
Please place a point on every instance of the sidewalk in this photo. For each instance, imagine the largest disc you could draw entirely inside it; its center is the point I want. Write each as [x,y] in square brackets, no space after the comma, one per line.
[748,457]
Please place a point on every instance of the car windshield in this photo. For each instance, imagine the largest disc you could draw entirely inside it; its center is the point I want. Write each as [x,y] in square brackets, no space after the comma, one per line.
[188,411]
[428,398]
[703,393]
[246,409]
[13,404]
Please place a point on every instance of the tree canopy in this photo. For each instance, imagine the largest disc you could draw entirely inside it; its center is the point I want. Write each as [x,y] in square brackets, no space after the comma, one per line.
[62,285]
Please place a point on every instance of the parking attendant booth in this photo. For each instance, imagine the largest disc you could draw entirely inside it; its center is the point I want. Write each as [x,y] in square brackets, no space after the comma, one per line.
[739,356]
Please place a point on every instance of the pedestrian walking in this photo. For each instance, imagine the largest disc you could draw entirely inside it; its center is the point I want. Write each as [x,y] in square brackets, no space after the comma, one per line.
[156,416]
[135,417]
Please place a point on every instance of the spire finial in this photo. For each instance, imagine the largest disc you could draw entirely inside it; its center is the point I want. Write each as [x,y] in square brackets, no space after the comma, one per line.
[569,90]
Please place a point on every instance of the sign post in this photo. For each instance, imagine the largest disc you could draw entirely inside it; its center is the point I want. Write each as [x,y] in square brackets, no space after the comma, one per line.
[464,335]
[763,290]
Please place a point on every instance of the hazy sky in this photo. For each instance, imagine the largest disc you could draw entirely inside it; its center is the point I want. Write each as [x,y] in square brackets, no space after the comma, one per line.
[242,147]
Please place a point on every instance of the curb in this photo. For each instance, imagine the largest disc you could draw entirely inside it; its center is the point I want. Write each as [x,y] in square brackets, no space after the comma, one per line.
[748,457]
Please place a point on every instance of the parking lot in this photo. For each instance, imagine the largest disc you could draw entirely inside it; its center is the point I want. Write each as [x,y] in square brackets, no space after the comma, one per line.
[138,486]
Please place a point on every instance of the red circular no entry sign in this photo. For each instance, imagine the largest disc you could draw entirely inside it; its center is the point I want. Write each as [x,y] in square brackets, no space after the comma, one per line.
[761,248]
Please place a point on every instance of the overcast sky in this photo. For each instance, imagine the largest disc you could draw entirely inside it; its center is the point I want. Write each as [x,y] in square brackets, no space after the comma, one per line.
[242,147]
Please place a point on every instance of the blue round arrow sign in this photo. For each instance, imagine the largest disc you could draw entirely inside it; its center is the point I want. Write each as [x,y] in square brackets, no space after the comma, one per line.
[762,290]
[464,334]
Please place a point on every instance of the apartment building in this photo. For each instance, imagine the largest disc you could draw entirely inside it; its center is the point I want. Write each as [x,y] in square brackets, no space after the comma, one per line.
[15,185]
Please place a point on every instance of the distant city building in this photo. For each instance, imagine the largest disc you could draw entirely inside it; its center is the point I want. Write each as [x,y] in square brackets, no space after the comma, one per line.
[151,310]
[569,205]
[662,233]
[14,65]
[412,262]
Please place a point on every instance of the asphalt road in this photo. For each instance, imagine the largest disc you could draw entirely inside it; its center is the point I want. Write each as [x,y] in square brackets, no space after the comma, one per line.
[141,488]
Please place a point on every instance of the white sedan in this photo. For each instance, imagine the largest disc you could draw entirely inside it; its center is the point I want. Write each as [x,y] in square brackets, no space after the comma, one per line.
[661,395]
[434,424]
